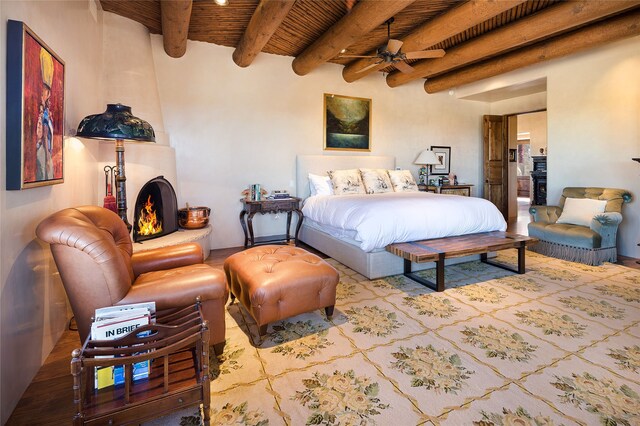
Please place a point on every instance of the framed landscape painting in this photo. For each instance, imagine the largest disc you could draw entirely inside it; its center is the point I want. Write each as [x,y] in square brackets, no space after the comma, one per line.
[35,110]
[347,123]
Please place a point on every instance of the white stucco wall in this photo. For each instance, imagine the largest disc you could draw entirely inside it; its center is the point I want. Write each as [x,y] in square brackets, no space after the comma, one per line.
[33,303]
[233,126]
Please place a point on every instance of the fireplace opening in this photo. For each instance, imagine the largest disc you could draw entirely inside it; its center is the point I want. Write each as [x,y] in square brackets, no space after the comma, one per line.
[156,210]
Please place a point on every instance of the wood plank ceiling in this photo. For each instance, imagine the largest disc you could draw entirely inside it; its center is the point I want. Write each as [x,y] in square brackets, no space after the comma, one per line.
[481,38]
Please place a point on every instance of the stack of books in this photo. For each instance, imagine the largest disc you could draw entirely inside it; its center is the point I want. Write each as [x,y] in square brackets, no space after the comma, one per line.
[256,192]
[112,323]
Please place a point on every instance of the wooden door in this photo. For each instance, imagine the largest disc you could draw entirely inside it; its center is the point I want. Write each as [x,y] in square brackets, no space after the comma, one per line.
[495,161]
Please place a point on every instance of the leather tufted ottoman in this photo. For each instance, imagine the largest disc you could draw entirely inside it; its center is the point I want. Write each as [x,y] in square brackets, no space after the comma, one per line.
[274,282]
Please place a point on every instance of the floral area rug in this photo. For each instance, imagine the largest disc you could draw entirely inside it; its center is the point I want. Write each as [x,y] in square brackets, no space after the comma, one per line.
[559,345]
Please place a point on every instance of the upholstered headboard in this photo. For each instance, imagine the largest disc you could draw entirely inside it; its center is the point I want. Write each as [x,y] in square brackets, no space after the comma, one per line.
[319,164]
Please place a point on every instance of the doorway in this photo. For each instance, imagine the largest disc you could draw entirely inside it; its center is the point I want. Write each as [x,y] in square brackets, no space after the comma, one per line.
[530,144]
[511,144]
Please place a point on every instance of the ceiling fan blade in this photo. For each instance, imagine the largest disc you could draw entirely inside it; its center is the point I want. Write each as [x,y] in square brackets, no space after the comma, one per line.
[425,54]
[368,67]
[393,46]
[404,67]
[357,56]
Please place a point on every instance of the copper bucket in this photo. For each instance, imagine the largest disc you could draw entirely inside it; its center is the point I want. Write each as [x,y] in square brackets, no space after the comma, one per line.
[193,217]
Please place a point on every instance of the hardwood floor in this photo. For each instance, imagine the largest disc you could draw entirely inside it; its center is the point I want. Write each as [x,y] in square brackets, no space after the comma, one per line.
[49,398]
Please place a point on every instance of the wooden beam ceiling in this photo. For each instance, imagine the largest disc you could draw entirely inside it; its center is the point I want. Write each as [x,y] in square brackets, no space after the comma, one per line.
[362,19]
[437,30]
[264,22]
[623,26]
[176,15]
[480,37]
[548,22]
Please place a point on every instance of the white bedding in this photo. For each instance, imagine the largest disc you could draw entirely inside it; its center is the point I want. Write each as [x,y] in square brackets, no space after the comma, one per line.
[377,220]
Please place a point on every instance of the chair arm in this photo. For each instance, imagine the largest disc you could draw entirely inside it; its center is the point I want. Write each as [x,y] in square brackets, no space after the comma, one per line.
[606,224]
[545,213]
[166,258]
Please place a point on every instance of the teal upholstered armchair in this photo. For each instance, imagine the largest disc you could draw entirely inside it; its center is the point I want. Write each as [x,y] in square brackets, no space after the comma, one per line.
[591,244]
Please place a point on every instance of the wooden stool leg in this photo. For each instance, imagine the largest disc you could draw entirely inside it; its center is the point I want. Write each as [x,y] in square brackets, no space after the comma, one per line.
[263,330]
[329,311]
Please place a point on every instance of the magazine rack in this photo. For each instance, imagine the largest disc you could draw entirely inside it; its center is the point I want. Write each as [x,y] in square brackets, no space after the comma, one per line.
[178,349]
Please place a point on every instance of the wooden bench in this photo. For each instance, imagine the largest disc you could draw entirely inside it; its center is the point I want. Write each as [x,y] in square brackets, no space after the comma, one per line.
[439,249]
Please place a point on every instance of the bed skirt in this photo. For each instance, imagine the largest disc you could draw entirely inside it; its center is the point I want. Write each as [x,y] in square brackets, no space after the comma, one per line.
[372,265]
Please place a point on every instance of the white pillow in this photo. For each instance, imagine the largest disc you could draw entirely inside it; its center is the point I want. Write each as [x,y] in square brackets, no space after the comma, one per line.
[402,181]
[580,211]
[376,181]
[320,185]
[346,181]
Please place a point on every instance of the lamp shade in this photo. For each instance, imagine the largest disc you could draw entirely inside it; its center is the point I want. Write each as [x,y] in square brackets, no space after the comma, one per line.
[426,157]
[116,122]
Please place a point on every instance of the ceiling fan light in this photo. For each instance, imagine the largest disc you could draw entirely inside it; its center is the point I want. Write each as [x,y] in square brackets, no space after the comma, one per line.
[221,2]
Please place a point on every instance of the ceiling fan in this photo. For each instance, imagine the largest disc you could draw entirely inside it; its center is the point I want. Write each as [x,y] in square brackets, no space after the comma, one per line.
[391,54]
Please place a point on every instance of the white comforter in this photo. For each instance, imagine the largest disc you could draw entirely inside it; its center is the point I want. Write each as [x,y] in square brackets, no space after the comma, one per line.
[378,220]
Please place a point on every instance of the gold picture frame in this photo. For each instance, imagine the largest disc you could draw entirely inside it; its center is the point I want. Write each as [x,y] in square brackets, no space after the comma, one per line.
[347,123]
[35,110]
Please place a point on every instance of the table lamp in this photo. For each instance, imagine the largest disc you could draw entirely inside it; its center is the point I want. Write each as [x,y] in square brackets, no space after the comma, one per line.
[425,158]
[117,124]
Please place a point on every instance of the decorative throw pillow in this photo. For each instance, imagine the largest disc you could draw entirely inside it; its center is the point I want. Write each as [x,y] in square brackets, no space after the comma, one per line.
[580,211]
[402,181]
[320,185]
[376,181]
[346,181]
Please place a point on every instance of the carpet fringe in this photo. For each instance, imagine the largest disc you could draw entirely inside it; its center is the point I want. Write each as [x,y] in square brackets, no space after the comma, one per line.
[592,257]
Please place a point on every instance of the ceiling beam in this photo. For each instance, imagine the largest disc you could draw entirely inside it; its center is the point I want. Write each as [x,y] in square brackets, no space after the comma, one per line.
[553,20]
[436,30]
[624,26]
[264,22]
[175,16]
[365,16]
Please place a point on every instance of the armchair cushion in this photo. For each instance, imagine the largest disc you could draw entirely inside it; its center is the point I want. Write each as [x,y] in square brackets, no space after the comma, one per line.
[177,287]
[565,234]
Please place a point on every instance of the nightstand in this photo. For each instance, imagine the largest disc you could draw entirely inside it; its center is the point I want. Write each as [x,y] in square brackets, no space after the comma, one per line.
[284,205]
[462,189]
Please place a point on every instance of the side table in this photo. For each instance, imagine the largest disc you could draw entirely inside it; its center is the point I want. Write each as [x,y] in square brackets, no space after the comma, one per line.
[284,205]
[462,189]
[178,348]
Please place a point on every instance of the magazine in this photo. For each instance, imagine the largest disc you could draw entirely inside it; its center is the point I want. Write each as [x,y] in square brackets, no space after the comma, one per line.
[112,323]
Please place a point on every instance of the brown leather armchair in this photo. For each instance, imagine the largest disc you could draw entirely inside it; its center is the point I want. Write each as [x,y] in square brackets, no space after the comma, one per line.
[93,252]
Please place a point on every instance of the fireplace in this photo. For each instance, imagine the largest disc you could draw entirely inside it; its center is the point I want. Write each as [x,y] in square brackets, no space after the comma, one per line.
[156,210]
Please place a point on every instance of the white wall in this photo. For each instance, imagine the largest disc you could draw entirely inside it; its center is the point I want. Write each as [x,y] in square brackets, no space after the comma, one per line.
[33,303]
[536,125]
[593,116]
[233,126]
[594,127]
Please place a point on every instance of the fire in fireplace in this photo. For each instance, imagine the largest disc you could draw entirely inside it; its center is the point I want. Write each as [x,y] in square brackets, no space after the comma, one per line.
[156,210]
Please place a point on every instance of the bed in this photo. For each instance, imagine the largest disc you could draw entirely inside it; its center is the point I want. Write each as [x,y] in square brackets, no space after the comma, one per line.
[350,247]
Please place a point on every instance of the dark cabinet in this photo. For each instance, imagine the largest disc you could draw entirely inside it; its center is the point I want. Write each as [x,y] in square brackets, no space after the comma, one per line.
[539,180]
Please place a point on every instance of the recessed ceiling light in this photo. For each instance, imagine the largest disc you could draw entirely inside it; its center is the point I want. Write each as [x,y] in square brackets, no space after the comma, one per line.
[343,50]
[222,2]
